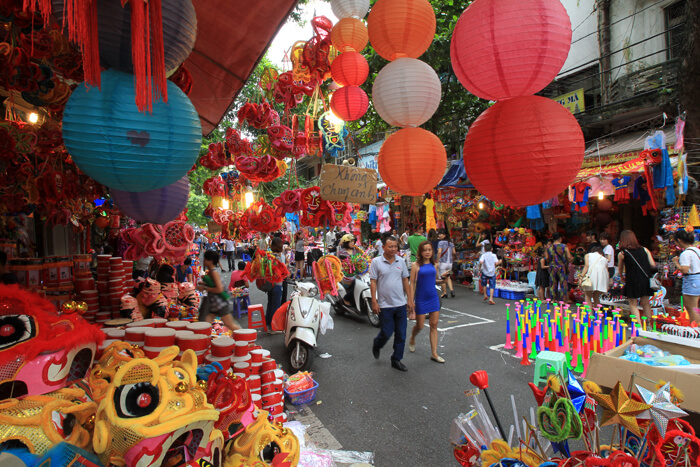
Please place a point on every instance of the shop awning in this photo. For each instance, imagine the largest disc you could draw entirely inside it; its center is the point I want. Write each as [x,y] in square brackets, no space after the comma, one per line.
[232,37]
[619,154]
[456,176]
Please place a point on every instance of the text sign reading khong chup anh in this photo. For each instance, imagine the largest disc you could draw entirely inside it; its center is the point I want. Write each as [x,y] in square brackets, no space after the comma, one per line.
[348,184]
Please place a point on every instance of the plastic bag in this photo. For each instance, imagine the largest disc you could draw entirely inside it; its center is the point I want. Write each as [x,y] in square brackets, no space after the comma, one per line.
[299,382]
[652,355]
[326,318]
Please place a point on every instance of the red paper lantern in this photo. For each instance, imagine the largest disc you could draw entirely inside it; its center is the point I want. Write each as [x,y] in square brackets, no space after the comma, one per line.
[507,48]
[349,69]
[349,103]
[412,161]
[349,34]
[401,28]
[523,151]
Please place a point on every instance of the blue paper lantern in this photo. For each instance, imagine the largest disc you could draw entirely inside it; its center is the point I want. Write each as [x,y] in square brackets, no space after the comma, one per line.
[122,148]
[155,206]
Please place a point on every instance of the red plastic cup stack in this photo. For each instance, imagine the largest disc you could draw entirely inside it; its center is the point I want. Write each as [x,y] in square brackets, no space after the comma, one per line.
[221,351]
[197,342]
[158,339]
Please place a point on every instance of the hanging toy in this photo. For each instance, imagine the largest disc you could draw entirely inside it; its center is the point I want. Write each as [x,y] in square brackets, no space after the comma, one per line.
[328,271]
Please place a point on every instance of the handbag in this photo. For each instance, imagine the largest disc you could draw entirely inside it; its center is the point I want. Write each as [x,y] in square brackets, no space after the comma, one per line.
[654,283]
[585,280]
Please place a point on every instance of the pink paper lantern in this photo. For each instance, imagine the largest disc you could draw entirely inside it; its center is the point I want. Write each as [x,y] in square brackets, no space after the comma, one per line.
[502,49]
[523,151]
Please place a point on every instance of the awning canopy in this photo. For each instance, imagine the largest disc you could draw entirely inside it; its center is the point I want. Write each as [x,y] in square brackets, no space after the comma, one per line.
[232,37]
[456,176]
[619,154]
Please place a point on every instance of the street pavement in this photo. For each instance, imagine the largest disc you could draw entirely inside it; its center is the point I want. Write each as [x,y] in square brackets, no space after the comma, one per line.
[404,418]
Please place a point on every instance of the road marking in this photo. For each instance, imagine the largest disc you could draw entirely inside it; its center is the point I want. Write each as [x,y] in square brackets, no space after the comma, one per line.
[461,313]
[500,348]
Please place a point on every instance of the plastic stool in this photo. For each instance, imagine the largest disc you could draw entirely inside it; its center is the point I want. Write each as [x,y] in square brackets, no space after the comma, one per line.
[237,309]
[256,324]
[549,362]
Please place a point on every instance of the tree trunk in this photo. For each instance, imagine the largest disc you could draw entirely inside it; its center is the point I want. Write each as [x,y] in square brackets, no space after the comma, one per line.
[690,92]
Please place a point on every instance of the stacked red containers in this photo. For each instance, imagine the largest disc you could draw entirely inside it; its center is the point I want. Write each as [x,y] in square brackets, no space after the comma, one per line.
[91,298]
[116,283]
[82,275]
[103,265]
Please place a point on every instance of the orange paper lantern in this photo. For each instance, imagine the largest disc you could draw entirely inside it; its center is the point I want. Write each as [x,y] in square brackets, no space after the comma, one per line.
[523,151]
[349,69]
[412,161]
[349,35]
[349,103]
[401,28]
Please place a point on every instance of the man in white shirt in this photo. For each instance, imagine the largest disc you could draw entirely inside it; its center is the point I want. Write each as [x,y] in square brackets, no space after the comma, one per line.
[388,283]
[608,252]
[487,264]
[230,251]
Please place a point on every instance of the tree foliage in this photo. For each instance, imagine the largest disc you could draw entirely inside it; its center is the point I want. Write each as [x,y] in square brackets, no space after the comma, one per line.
[458,109]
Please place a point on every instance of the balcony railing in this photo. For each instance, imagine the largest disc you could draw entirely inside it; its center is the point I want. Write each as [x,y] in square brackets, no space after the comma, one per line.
[645,80]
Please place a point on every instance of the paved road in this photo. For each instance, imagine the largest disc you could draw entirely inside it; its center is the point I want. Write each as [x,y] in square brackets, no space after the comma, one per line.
[365,405]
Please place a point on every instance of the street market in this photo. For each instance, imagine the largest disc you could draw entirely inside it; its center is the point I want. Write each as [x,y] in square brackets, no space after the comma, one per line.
[327,233]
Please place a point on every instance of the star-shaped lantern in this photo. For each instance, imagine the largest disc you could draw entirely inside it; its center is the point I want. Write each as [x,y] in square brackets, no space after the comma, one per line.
[619,408]
[662,409]
[578,395]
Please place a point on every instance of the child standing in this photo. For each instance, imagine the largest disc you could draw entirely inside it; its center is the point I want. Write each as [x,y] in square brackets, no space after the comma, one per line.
[488,263]
[542,277]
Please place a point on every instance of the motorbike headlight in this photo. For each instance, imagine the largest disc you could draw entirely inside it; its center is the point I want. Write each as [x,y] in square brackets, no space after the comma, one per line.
[313,291]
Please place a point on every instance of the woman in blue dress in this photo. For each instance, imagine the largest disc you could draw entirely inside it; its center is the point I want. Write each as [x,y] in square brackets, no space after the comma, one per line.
[424,277]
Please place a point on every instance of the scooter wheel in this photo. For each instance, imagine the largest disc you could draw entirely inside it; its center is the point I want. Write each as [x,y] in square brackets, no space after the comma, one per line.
[371,315]
[338,308]
[300,356]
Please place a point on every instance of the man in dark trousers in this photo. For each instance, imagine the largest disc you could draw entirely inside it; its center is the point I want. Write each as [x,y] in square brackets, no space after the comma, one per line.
[388,283]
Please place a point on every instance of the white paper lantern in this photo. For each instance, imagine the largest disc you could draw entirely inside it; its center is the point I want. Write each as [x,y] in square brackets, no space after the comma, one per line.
[406,92]
[349,8]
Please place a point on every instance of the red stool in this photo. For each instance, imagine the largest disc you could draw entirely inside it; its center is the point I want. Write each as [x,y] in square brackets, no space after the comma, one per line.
[256,324]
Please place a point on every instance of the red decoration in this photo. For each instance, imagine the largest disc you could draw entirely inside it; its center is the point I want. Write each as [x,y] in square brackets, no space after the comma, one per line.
[350,69]
[412,161]
[349,103]
[523,151]
[506,48]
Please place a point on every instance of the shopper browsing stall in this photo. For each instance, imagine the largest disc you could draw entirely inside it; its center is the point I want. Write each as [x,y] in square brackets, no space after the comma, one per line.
[300,244]
[542,282]
[415,239]
[608,252]
[184,272]
[274,295]
[594,276]
[487,264]
[424,277]
[688,263]
[635,262]
[558,259]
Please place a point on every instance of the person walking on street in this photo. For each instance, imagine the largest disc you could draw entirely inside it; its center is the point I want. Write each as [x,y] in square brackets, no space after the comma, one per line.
[299,245]
[424,277]
[445,252]
[596,268]
[216,302]
[487,264]
[688,263]
[274,296]
[558,259]
[388,284]
[635,262]
[230,252]
[330,239]
[415,239]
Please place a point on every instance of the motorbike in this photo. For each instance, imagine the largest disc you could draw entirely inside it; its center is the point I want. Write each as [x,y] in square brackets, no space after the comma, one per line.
[302,325]
[362,296]
[361,301]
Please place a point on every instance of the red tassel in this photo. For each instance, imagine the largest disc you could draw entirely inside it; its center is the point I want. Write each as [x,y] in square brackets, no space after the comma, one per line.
[140,52]
[158,57]
[89,41]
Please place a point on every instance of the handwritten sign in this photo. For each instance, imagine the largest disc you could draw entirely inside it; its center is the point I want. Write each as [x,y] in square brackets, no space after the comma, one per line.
[348,184]
[214,228]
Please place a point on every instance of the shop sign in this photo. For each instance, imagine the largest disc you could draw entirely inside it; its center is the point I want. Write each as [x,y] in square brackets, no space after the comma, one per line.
[213,227]
[573,101]
[348,184]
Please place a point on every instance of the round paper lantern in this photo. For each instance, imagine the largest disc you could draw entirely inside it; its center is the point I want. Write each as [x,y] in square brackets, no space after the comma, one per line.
[158,206]
[349,8]
[349,103]
[406,92]
[412,161]
[114,31]
[401,28]
[350,69]
[349,34]
[603,218]
[122,148]
[605,205]
[523,151]
[507,48]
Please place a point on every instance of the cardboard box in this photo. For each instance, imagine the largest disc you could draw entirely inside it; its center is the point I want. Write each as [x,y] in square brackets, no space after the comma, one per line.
[607,369]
